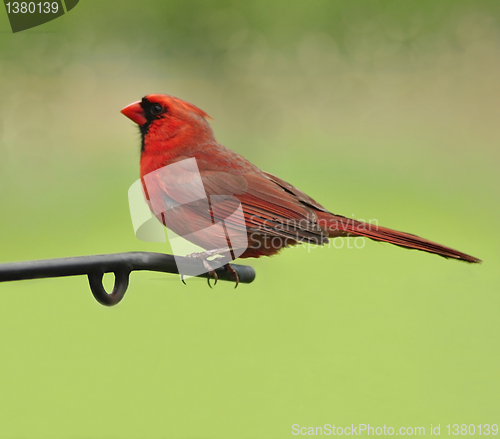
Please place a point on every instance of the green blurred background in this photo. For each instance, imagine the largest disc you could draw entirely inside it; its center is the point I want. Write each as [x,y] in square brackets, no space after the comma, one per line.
[380,110]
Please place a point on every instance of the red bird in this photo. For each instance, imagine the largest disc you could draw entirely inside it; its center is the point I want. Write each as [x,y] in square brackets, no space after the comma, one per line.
[275,214]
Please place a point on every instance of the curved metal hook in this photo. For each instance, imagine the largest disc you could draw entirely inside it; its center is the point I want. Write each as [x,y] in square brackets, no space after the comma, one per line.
[119,289]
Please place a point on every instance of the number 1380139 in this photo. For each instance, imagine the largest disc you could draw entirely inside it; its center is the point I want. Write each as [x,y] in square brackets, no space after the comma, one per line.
[32,7]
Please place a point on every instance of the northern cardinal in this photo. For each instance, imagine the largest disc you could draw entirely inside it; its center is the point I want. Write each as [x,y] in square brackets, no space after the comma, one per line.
[276,214]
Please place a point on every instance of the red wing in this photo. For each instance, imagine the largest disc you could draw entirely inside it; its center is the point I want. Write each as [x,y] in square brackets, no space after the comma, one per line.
[267,207]
[269,204]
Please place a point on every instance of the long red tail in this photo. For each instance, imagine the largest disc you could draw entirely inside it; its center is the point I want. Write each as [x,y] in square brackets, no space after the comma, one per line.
[338,224]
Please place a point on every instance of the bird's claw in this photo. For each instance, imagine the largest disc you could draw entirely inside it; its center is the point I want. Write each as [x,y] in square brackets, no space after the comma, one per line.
[203,258]
[213,274]
[234,274]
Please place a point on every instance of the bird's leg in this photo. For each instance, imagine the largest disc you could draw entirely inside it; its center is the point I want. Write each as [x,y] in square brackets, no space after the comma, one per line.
[203,257]
[233,273]
[208,254]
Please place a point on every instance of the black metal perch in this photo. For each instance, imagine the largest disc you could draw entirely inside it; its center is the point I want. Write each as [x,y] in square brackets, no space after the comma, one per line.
[121,264]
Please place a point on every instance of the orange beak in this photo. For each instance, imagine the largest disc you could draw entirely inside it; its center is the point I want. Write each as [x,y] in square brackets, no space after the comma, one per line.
[135,113]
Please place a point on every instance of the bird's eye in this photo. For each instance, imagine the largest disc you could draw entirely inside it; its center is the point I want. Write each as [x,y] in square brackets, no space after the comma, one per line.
[156,109]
